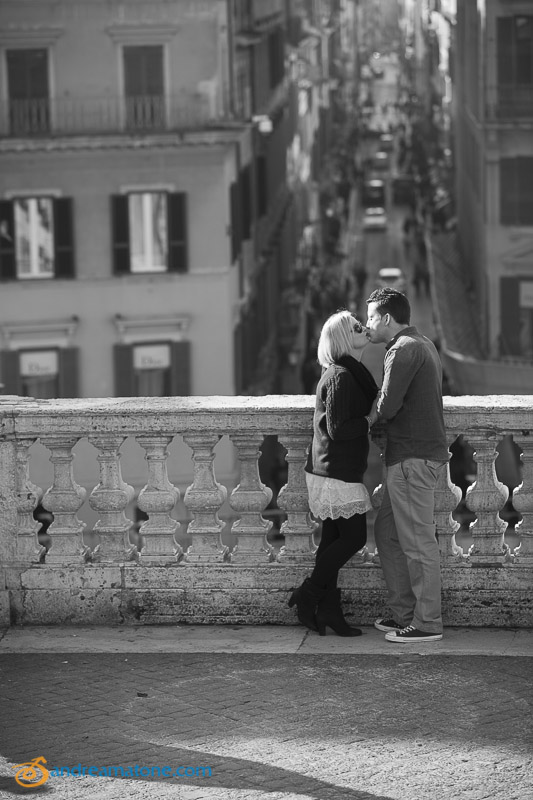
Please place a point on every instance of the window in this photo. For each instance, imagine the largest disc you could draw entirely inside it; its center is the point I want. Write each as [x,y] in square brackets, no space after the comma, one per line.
[276,57]
[515,65]
[149,232]
[143,86]
[39,373]
[36,238]
[27,86]
[153,369]
[148,226]
[516,191]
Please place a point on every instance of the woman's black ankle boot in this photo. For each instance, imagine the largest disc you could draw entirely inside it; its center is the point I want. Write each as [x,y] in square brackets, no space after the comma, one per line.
[329,613]
[307,597]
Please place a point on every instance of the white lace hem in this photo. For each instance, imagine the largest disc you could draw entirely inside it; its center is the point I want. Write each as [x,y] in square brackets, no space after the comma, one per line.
[329,497]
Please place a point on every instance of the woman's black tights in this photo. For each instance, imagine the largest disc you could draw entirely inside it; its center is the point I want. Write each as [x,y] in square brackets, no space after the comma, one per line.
[341,539]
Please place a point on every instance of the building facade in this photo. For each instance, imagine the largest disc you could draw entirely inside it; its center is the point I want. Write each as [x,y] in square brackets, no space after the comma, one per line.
[493,104]
[150,157]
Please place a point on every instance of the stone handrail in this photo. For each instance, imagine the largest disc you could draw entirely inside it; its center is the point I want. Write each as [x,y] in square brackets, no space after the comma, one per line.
[116,581]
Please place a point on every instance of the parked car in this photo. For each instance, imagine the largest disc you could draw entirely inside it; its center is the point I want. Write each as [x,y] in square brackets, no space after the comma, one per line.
[373,194]
[403,189]
[386,142]
[374,219]
[392,277]
[380,160]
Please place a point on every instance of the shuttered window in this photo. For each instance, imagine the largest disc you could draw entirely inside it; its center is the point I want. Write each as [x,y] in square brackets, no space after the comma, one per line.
[36,238]
[28,91]
[261,185]
[236,221]
[43,374]
[515,50]
[516,191]
[149,232]
[153,369]
[245,180]
[144,87]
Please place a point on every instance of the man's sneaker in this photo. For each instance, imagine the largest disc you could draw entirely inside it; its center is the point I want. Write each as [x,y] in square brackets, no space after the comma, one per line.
[383,624]
[411,634]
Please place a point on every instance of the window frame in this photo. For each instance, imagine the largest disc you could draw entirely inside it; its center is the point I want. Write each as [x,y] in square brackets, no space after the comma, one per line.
[177,231]
[62,236]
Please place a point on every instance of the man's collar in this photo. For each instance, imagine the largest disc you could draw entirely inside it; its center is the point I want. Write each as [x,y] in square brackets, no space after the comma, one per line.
[408,329]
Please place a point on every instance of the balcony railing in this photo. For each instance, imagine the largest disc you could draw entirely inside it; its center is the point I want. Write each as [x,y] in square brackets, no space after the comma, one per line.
[156,581]
[69,116]
[513,101]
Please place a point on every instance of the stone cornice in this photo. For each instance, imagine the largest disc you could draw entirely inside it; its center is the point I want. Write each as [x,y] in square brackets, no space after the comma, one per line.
[30,36]
[141,33]
[227,133]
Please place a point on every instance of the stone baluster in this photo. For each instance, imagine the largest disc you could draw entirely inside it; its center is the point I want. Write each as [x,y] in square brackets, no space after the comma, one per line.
[28,498]
[157,499]
[204,498]
[64,499]
[486,497]
[299,547]
[110,499]
[379,438]
[523,500]
[249,499]
[447,498]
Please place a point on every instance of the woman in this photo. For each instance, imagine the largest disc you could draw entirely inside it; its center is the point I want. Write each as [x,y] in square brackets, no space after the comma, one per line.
[335,467]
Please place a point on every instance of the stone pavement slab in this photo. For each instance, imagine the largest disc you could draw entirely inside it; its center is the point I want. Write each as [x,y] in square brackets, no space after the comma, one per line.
[284,724]
[251,639]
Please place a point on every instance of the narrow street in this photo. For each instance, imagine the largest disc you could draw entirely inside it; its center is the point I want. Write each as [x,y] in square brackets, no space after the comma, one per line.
[380,249]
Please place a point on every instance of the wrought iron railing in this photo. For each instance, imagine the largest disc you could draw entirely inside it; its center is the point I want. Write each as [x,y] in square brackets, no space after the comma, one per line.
[70,116]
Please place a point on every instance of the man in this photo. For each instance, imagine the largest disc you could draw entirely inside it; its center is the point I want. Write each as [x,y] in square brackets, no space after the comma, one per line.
[410,401]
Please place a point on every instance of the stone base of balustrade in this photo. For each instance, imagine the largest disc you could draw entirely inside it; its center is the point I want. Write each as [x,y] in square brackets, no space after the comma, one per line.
[248,595]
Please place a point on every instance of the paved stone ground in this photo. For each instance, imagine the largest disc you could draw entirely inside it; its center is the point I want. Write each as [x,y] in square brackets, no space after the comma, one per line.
[404,726]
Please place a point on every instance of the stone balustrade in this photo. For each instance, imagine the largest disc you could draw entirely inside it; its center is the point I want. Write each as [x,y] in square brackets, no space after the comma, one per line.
[157,582]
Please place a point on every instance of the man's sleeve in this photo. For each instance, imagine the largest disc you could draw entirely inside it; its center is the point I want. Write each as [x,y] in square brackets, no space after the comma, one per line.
[397,377]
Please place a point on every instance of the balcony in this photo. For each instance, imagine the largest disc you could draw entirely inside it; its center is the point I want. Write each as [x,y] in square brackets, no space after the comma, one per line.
[75,116]
[511,101]
[157,582]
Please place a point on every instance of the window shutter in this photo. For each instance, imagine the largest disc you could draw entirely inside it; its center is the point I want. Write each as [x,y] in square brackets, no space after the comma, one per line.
[504,33]
[121,234]
[177,232]
[181,369]
[510,316]
[69,372]
[63,238]
[525,190]
[10,377]
[8,268]
[261,185]
[236,221]
[246,201]
[508,192]
[124,375]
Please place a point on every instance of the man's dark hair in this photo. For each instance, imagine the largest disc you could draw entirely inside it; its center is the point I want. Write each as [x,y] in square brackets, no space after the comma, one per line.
[393,302]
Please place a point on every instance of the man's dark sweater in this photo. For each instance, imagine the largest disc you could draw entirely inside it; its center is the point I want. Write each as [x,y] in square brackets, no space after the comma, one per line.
[411,399]
[344,396]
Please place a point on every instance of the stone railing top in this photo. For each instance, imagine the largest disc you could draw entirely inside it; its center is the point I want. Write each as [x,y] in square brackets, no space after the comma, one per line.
[268,414]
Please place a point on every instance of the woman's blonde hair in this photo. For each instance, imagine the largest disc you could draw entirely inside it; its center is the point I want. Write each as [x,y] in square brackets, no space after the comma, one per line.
[336,338]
